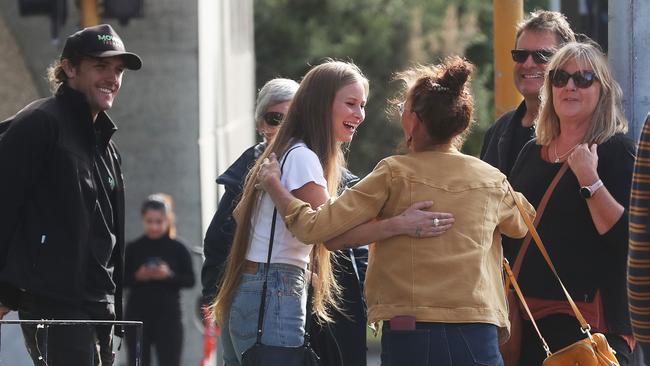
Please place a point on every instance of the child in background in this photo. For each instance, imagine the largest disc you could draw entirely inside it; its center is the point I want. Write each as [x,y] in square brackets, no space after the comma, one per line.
[157,266]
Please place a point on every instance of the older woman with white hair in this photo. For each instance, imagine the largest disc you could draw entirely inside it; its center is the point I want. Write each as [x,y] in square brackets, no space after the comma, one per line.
[585,223]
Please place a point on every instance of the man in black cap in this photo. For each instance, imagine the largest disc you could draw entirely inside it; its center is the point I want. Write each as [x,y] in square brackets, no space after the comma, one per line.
[62,204]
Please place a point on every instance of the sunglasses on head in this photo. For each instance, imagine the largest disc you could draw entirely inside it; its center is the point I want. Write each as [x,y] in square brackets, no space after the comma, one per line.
[273,118]
[539,56]
[581,78]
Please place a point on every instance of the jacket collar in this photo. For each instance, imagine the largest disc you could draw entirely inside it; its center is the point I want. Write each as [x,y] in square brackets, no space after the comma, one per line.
[446,148]
[75,103]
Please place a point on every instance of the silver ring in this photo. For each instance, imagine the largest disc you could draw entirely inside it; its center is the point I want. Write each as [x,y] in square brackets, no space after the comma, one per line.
[436,222]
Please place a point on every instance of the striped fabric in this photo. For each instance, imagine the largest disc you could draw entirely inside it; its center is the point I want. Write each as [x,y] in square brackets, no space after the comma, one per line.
[638,277]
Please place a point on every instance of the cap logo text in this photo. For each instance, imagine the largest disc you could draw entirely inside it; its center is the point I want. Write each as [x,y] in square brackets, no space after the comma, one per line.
[109,39]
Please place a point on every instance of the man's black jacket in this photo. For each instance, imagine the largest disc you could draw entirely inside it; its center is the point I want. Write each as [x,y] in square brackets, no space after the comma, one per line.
[47,198]
[497,143]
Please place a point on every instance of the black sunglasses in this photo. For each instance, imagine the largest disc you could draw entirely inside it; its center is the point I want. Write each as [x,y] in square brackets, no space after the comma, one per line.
[539,56]
[581,78]
[273,118]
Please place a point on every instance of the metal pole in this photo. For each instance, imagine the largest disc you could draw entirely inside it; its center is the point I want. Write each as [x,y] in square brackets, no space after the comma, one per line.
[45,324]
[138,344]
[46,338]
[88,13]
[506,15]
[629,35]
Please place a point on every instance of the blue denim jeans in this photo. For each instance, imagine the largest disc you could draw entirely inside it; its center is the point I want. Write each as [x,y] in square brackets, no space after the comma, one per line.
[285,311]
[441,344]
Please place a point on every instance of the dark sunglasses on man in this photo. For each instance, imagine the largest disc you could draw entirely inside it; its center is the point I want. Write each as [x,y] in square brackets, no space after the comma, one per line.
[273,118]
[539,56]
[581,78]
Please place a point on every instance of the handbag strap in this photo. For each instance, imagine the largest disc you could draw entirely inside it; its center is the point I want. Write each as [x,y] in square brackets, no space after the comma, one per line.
[260,318]
[513,280]
[586,328]
[539,212]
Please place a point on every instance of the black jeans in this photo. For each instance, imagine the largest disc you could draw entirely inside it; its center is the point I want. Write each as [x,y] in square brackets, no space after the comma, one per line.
[165,334]
[66,345]
[559,331]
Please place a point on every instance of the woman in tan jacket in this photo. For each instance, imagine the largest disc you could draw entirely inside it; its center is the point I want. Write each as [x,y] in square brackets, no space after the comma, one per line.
[441,298]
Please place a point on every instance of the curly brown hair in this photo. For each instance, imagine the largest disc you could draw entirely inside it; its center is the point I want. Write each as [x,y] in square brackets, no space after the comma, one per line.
[441,98]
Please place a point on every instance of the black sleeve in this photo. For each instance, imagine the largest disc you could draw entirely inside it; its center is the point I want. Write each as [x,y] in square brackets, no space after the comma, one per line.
[487,139]
[24,151]
[217,243]
[184,272]
[615,168]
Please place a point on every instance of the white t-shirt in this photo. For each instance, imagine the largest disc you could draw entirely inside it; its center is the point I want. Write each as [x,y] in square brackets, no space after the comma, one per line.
[301,167]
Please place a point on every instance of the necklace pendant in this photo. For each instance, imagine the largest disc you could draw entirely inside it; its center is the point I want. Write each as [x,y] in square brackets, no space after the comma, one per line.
[557,160]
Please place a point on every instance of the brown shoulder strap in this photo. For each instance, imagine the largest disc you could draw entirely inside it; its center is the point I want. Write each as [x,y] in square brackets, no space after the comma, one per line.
[539,212]
[583,323]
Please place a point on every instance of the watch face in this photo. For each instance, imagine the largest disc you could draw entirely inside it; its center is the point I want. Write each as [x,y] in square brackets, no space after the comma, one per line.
[585,192]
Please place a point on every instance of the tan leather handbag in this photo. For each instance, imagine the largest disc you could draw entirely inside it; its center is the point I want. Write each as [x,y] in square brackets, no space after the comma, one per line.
[591,351]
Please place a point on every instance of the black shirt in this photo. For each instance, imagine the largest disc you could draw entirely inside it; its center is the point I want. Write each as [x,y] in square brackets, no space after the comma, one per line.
[585,260]
[100,286]
[521,135]
[157,298]
[505,138]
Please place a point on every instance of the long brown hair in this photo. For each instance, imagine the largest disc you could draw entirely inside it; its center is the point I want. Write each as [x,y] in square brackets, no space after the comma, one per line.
[309,119]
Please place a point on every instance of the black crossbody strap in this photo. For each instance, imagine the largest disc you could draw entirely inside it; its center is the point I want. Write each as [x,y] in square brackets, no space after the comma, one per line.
[260,318]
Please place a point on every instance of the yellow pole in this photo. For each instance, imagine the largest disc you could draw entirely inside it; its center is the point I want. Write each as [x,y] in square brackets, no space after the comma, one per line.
[506,15]
[88,13]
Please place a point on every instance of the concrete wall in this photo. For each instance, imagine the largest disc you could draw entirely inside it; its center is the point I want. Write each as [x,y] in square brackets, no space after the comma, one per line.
[629,34]
[18,86]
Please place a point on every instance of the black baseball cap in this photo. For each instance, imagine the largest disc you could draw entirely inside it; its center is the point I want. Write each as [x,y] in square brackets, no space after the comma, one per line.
[99,41]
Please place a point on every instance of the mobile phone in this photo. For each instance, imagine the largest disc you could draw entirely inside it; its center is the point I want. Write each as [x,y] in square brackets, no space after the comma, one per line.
[152,262]
[402,322]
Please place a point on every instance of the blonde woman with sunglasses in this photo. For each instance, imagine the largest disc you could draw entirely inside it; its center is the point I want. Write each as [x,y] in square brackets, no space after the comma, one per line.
[585,223]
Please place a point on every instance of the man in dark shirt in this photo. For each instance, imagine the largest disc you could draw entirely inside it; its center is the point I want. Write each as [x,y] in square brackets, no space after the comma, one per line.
[62,211]
[538,37]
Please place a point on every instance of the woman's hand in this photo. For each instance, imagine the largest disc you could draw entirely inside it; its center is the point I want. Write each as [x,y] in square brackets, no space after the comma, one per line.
[583,161]
[422,224]
[269,172]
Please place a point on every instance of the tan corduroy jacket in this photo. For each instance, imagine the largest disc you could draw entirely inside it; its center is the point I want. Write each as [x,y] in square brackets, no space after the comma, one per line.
[456,277]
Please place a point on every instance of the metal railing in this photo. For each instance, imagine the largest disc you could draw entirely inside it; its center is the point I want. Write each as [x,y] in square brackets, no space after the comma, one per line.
[45,324]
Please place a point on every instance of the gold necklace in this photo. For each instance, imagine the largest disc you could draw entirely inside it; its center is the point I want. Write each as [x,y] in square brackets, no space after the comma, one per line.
[559,158]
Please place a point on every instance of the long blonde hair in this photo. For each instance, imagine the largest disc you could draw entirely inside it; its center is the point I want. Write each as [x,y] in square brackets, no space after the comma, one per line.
[608,118]
[309,119]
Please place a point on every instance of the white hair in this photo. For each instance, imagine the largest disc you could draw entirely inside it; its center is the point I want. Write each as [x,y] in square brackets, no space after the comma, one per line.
[275,91]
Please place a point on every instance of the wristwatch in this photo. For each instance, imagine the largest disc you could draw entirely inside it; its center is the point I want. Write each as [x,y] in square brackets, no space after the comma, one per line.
[590,191]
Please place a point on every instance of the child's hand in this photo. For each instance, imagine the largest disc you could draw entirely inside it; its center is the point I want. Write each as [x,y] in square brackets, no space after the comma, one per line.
[161,271]
[143,273]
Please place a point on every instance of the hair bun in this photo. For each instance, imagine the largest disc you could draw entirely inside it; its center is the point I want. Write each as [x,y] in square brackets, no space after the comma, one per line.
[455,72]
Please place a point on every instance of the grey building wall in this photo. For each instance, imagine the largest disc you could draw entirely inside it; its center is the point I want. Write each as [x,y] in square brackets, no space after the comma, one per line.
[629,34]
[18,86]
[156,113]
